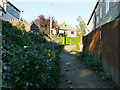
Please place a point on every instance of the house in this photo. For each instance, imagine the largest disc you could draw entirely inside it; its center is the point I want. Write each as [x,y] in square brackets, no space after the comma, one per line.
[69,30]
[11,12]
[105,11]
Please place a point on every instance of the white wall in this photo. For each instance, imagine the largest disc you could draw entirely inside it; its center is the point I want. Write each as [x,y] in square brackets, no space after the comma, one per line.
[61,31]
[1,2]
[72,35]
[13,11]
[8,16]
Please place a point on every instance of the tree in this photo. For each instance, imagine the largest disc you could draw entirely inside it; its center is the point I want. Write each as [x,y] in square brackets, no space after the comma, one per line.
[44,23]
[81,27]
[40,22]
[47,23]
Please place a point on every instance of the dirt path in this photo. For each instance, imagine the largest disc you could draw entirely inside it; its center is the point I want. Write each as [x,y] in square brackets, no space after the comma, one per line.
[74,74]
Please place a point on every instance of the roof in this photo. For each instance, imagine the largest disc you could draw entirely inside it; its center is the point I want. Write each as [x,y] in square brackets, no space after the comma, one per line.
[66,27]
[93,11]
[13,6]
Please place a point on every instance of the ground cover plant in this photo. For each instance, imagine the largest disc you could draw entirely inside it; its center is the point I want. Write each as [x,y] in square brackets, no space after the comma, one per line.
[93,64]
[28,60]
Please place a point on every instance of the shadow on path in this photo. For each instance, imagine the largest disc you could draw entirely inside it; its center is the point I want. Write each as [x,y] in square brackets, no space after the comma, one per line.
[73,74]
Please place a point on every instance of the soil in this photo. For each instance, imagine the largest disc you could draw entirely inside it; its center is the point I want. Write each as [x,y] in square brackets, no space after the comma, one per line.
[73,74]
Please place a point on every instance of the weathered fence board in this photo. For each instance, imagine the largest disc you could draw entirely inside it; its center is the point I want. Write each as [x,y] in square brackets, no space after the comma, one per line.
[104,44]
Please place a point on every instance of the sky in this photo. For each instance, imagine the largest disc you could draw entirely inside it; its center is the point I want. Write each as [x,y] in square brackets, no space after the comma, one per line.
[62,10]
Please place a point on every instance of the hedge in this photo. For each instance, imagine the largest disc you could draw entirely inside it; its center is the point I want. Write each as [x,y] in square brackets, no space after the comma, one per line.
[74,40]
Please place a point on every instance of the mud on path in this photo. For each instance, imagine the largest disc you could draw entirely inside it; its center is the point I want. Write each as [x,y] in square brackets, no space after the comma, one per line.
[74,74]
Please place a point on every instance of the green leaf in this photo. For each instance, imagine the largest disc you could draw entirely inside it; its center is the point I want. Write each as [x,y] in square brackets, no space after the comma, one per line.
[17,79]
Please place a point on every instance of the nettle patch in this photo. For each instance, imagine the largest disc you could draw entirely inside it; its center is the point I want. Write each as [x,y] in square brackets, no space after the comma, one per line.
[28,60]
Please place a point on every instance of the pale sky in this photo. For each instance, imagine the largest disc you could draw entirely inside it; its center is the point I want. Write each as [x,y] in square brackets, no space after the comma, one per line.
[63,10]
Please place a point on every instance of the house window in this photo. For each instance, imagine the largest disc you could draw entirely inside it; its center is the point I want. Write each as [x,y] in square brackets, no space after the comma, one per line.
[72,32]
[13,12]
[107,6]
[97,18]
[101,11]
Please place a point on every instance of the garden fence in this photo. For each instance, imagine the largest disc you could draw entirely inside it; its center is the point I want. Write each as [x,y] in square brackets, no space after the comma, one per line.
[104,44]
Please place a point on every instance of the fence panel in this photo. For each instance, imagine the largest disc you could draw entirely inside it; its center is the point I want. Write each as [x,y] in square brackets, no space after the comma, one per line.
[104,44]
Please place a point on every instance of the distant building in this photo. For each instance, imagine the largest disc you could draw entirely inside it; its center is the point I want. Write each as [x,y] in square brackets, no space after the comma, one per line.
[105,11]
[11,12]
[70,31]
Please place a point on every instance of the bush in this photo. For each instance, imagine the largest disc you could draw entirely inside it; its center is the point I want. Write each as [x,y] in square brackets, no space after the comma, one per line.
[77,47]
[29,61]
[74,40]
[66,40]
[60,40]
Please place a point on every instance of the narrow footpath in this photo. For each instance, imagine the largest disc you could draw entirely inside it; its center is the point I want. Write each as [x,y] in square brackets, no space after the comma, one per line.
[74,74]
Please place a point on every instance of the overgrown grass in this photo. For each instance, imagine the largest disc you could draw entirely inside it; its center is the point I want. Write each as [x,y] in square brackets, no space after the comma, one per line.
[93,64]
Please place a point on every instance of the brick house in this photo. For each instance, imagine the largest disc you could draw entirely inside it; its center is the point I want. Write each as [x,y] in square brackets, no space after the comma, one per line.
[105,11]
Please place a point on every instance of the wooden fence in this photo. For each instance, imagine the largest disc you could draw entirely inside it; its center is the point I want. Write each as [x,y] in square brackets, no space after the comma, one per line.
[104,44]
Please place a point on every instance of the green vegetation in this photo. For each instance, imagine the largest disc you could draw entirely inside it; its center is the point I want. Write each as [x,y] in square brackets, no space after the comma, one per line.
[66,40]
[74,40]
[20,26]
[28,60]
[60,40]
[77,47]
[81,27]
[44,23]
[93,64]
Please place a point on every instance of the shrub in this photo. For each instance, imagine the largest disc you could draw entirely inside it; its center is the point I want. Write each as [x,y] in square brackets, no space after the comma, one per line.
[77,47]
[74,40]
[20,26]
[60,40]
[66,40]
[29,61]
